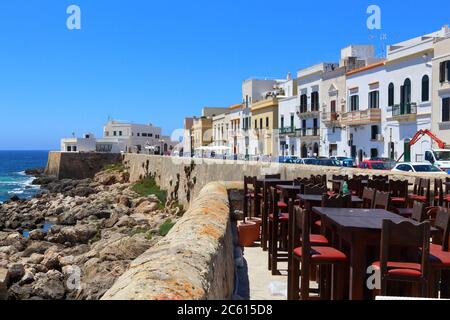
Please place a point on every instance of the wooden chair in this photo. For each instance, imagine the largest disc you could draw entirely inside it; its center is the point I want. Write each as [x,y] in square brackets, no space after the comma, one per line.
[418,212]
[315,189]
[278,231]
[399,193]
[368,198]
[356,187]
[340,177]
[360,177]
[319,179]
[381,200]
[307,255]
[377,184]
[423,193]
[415,268]
[249,194]
[380,177]
[336,201]
[440,255]
[438,194]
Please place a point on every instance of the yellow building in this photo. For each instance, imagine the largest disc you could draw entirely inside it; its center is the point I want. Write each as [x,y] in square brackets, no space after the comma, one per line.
[202,134]
[264,119]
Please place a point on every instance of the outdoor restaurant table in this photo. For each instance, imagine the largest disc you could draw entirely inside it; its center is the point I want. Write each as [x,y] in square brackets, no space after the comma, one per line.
[311,200]
[360,229]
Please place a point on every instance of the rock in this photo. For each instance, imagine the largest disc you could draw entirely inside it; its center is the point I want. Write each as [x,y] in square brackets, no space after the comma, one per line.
[127,248]
[37,234]
[37,247]
[3,283]
[67,219]
[34,172]
[51,259]
[27,278]
[125,201]
[16,272]
[147,207]
[79,233]
[66,261]
[36,258]
[14,199]
[49,285]
[109,223]
[126,221]
[20,292]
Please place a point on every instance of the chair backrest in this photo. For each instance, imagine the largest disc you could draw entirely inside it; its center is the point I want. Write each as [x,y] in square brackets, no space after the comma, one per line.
[442,223]
[439,190]
[340,177]
[302,228]
[318,189]
[381,200]
[368,198]
[398,188]
[406,234]
[380,177]
[272,176]
[336,201]
[274,198]
[416,185]
[360,177]
[377,184]
[355,186]
[418,212]
[319,179]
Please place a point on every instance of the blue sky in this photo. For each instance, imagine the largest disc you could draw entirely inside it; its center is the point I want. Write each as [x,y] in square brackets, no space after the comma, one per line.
[159,61]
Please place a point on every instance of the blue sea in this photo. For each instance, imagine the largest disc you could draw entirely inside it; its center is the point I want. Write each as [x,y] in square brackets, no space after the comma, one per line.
[13,180]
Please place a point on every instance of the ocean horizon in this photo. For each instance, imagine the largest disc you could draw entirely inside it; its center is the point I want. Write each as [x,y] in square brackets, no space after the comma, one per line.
[13,180]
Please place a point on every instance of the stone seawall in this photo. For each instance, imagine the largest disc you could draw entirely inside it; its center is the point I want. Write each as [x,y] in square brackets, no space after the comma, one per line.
[195,261]
[183,178]
[78,165]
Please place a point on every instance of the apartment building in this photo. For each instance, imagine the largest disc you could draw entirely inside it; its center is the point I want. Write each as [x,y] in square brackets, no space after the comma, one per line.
[288,120]
[441,88]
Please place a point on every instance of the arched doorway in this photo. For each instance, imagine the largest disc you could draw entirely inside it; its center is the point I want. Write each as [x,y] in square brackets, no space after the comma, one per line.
[316,149]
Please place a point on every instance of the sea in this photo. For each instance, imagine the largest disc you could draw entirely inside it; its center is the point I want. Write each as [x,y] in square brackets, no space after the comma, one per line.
[13,180]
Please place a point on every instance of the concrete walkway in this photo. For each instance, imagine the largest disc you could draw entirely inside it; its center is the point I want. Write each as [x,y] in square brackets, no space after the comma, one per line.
[261,280]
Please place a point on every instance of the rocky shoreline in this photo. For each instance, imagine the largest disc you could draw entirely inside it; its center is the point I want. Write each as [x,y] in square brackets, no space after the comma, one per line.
[73,240]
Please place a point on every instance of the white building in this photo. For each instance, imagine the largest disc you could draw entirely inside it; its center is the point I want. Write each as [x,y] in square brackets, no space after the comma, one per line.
[121,137]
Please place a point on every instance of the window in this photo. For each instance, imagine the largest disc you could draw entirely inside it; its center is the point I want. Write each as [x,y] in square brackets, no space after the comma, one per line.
[373,153]
[446,110]
[261,123]
[138,134]
[425,88]
[256,124]
[315,101]
[106,133]
[303,103]
[144,134]
[374,100]
[267,122]
[444,72]
[354,103]
[404,167]
[282,122]
[333,106]
[429,157]
[391,95]
[374,132]
[115,133]
[292,121]
[405,92]
[150,135]
[120,133]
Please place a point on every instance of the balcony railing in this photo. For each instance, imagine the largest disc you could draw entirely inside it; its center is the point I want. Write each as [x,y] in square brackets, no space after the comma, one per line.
[356,118]
[308,132]
[287,130]
[329,116]
[404,109]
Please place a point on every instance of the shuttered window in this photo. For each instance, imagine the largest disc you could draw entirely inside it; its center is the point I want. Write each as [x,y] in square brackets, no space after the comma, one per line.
[446,110]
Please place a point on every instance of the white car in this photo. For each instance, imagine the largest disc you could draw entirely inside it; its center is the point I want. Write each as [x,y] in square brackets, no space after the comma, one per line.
[418,167]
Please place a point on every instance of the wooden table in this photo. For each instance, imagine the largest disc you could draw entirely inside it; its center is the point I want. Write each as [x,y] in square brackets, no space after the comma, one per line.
[312,200]
[360,229]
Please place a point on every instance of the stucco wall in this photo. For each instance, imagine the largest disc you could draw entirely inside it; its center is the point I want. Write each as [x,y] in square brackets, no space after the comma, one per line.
[195,261]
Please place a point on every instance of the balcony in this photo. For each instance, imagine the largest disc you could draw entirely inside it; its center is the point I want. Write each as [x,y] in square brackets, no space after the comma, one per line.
[308,133]
[404,112]
[288,130]
[357,118]
[307,111]
[329,118]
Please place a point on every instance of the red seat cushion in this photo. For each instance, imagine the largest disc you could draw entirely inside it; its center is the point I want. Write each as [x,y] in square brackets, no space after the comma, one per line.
[398,199]
[318,223]
[403,269]
[318,240]
[323,254]
[417,197]
[284,217]
[282,204]
[439,258]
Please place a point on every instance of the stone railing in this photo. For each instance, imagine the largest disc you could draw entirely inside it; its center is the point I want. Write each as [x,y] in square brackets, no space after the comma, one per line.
[195,261]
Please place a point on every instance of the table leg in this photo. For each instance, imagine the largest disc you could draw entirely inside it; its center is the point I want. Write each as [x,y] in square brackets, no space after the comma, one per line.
[357,269]
[264,220]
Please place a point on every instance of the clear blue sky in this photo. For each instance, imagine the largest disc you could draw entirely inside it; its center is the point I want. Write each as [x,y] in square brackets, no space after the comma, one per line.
[159,61]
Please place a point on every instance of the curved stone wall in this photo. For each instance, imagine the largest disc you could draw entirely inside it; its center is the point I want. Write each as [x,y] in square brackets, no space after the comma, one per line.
[195,261]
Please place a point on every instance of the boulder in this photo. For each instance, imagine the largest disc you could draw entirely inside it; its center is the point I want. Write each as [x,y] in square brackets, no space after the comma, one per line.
[37,234]
[49,285]
[16,271]
[3,283]
[124,201]
[126,221]
[51,259]
[36,258]
[127,248]
[147,207]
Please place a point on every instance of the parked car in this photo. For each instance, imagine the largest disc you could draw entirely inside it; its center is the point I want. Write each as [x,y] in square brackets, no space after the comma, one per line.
[328,163]
[418,167]
[376,165]
[309,161]
[345,161]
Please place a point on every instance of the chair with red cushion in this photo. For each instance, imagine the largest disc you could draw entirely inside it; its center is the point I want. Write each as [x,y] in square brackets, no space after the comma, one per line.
[306,255]
[356,187]
[278,231]
[438,194]
[439,250]
[377,184]
[423,193]
[412,268]
[381,200]
[399,193]
[368,198]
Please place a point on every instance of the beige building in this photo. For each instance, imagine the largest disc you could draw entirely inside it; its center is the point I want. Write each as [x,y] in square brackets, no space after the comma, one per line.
[264,115]
[441,90]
